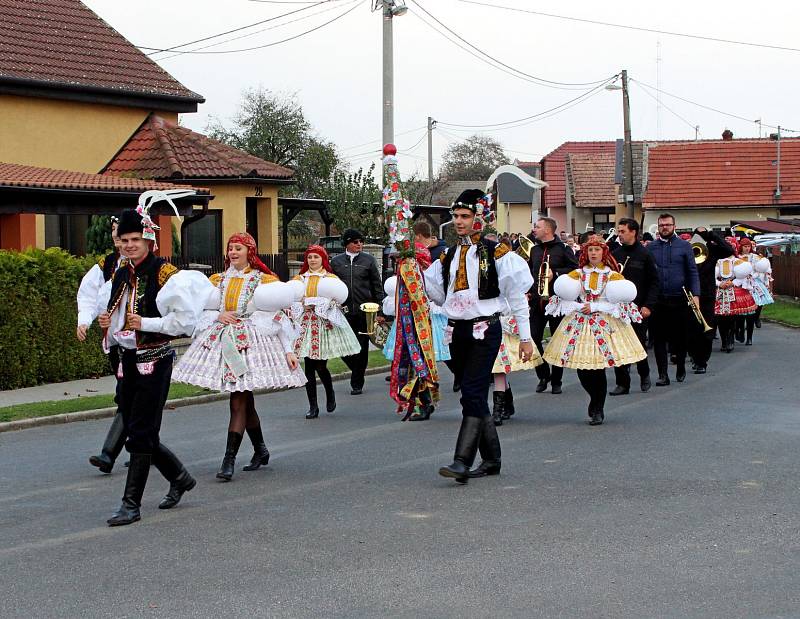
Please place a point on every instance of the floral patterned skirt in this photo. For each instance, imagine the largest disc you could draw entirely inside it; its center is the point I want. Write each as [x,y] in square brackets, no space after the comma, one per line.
[508,360]
[761,293]
[734,301]
[321,339]
[593,342]
[203,365]
[441,351]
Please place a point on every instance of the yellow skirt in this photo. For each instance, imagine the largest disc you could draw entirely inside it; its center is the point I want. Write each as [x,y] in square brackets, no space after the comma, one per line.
[607,342]
[508,357]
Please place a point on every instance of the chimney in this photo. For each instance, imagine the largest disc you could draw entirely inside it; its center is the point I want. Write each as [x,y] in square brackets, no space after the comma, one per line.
[727,135]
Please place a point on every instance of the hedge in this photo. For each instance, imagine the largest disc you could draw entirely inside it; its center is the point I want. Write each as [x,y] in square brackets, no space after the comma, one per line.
[38,317]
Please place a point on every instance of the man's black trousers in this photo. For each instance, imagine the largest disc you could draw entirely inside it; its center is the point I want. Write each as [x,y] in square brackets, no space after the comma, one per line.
[358,362]
[538,322]
[475,359]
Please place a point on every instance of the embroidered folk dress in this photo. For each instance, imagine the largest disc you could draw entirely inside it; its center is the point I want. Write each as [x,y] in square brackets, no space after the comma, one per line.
[508,360]
[734,300]
[441,350]
[604,338]
[758,282]
[324,331]
[247,355]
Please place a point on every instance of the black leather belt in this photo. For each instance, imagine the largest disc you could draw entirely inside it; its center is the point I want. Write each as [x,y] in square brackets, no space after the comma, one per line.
[490,319]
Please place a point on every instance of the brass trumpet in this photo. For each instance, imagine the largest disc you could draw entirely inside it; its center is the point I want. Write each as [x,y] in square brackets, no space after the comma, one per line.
[696,311]
[525,247]
[700,252]
[545,276]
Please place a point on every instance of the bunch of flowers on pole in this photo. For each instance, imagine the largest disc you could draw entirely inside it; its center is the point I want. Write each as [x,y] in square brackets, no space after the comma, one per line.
[414,374]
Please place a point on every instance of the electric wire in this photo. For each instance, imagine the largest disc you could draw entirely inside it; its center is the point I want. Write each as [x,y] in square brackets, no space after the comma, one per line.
[540,80]
[638,28]
[250,34]
[673,112]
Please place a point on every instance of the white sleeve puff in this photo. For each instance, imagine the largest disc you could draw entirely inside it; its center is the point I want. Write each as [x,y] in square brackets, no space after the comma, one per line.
[433,282]
[514,278]
[180,302]
[88,291]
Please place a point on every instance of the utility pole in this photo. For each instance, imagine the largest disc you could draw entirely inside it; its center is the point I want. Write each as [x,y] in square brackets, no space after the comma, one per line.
[431,126]
[778,180]
[388,74]
[628,171]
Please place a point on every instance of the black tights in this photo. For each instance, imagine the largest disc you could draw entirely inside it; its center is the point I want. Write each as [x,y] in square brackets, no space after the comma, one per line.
[318,367]
[749,322]
[594,382]
[243,412]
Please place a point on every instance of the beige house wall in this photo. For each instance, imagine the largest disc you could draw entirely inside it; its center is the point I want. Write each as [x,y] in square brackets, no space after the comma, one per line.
[693,217]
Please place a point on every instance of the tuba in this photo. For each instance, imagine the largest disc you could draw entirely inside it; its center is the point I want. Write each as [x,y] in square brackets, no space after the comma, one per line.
[545,276]
[525,247]
[700,251]
[377,333]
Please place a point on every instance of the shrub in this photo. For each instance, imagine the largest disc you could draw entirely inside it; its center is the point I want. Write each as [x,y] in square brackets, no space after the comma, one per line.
[38,313]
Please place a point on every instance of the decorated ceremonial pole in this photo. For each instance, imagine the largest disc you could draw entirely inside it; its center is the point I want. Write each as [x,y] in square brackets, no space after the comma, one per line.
[415,378]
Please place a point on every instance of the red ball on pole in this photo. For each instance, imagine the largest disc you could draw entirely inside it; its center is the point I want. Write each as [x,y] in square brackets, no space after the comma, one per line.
[389,150]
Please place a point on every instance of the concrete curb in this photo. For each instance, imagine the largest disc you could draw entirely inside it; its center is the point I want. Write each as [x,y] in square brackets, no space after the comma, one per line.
[780,322]
[101,413]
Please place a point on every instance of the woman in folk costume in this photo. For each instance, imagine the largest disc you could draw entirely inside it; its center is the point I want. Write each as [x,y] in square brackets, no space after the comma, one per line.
[733,277]
[758,284]
[324,331]
[508,361]
[441,350]
[596,333]
[243,342]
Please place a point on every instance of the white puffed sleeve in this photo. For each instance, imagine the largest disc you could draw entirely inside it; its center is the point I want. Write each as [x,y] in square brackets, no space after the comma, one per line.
[433,282]
[180,302]
[389,287]
[566,290]
[388,308]
[514,278]
[763,265]
[741,274]
[273,296]
[90,286]
[211,307]
[104,296]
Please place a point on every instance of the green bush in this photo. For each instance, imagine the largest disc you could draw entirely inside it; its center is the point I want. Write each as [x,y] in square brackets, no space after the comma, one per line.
[38,317]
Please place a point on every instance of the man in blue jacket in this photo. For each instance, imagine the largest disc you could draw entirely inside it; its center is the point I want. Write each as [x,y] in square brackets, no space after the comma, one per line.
[671,314]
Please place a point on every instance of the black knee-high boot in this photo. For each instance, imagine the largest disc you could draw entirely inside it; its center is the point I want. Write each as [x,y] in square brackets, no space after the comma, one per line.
[750,322]
[489,448]
[509,411]
[327,383]
[466,448]
[112,446]
[138,470]
[229,461]
[180,481]
[261,454]
[311,388]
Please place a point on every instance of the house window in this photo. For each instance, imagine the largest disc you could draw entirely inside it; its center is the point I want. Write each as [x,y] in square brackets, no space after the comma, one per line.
[602,222]
[204,237]
[251,215]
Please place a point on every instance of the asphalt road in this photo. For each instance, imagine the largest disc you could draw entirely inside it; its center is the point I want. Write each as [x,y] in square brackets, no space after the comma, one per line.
[684,503]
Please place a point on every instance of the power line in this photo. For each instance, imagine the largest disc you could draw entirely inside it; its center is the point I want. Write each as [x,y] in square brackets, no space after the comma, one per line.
[712,109]
[154,50]
[693,126]
[638,28]
[542,81]
[524,120]
[251,34]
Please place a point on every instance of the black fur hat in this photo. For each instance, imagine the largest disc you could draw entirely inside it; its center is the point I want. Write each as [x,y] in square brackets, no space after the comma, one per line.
[468,199]
[129,221]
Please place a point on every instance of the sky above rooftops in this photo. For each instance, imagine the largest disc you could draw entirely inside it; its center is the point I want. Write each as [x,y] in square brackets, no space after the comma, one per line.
[336,71]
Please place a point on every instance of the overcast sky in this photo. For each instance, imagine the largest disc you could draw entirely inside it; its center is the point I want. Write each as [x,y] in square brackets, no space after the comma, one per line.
[336,70]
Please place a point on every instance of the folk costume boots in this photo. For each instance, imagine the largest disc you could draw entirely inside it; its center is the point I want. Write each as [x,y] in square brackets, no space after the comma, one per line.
[489,448]
[138,470]
[466,448]
[311,392]
[173,470]
[229,461]
[261,455]
[112,446]
[499,406]
[509,410]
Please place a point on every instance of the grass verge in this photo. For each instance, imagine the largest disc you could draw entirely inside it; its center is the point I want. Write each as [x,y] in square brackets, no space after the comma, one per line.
[176,391]
[782,311]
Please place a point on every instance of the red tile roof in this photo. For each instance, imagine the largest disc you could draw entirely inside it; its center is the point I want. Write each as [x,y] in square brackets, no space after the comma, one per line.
[767,225]
[63,43]
[16,175]
[592,179]
[554,169]
[163,150]
[722,174]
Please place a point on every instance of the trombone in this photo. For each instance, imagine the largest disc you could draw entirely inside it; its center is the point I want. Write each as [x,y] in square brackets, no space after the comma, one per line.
[696,311]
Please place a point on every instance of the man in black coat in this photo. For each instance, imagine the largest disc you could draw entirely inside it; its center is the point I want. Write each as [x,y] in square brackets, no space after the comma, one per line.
[701,342]
[637,265]
[561,260]
[359,271]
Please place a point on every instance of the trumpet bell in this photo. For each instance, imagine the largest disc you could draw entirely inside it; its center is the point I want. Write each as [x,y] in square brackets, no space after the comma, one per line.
[525,247]
[700,252]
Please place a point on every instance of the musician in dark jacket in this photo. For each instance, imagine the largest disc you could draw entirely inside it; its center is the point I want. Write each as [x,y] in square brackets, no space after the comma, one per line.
[359,271]
[638,266]
[700,342]
[671,315]
[562,260]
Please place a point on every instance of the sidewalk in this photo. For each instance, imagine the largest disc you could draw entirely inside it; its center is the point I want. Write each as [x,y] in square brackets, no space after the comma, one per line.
[69,390]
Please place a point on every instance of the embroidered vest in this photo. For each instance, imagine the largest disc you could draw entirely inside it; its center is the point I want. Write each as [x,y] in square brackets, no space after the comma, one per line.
[488,286]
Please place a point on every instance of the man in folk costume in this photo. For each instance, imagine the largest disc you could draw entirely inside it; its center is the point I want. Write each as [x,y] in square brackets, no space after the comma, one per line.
[475,282]
[151,302]
[414,375]
[89,306]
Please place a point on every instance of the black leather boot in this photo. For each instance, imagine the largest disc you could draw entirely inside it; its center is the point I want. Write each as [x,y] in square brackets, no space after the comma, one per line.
[498,407]
[740,331]
[128,513]
[229,461]
[330,399]
[173,471]
[311,392]
[182,484]
[112,446]
[261,456]
[509,410]
[489,448]
[466,448]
